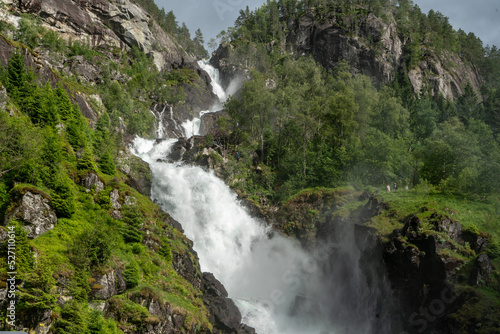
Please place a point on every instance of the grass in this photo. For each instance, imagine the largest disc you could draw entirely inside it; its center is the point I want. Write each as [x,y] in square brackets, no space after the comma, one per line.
[481,212]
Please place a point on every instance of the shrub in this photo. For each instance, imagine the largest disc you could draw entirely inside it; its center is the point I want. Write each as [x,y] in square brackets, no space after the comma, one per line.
[165,251]
[132,275]
[92,247]
[63,201]
[133,221]
[72,320]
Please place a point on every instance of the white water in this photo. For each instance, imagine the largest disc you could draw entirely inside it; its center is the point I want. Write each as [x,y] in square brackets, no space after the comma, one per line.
[214,75]
[278,287]
[262,274]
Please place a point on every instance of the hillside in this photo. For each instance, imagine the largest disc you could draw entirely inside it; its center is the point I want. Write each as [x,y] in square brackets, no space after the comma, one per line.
[83,248]
[333,103]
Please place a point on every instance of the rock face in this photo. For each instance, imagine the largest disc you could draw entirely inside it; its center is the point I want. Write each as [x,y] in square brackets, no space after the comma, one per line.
[424,259]
[35,212]
[105,286]
[377,50]
[137,171]
[224,314]
[119,23]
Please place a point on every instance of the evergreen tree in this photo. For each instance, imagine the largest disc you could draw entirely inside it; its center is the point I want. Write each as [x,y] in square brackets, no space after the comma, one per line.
[198,41]
[16,76]
[64,104]
[106,164]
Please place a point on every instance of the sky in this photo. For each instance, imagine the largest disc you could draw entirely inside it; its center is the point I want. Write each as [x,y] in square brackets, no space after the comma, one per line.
[482,17]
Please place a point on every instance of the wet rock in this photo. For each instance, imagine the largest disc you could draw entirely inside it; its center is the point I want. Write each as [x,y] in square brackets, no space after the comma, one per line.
[35,212]
[178,149]
[224,314]
[483,268]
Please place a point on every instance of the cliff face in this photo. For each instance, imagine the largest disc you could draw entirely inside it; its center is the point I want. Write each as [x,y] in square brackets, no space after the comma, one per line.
[376,48]
[108,23]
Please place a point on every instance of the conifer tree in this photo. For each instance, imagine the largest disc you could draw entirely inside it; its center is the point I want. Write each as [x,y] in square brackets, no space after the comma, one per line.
[106,164]
[64,104]
[16,76]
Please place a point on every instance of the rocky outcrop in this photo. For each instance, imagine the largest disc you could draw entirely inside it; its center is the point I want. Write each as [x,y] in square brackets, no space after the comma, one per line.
[378,52]
[138,172]
[224,314]
[92,182]
[105,286]
[162,320]
[34,211]
[118,23]
[376,49]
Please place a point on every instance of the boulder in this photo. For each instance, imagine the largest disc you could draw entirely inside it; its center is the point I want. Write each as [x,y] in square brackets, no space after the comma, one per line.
[35,212]
[137,171]
[105,286]
[224,314]
[92,182]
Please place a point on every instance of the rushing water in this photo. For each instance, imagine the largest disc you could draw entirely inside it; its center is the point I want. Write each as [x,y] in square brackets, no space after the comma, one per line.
[278,287]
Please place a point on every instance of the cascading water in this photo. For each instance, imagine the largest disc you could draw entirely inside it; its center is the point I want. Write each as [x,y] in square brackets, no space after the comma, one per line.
[278,287]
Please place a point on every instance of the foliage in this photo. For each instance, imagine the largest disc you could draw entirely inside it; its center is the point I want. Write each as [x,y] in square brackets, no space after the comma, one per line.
[92,247]
[132,274]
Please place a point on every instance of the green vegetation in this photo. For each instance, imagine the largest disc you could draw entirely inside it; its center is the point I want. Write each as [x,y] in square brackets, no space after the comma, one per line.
[47,147]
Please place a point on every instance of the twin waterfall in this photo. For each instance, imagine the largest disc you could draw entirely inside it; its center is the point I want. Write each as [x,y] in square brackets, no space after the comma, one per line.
[278,287]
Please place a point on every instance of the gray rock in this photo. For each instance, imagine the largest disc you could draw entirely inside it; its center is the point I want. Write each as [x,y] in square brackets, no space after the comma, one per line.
[35,211]
[114,196]
[224,314]
[92,181]
[107,285]
[482,270]
[130,201]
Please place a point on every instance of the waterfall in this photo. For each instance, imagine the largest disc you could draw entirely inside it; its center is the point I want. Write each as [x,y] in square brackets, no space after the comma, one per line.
[214,75]
[278,287]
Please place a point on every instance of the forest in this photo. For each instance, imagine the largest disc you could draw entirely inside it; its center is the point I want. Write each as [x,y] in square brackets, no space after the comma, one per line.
[312,127]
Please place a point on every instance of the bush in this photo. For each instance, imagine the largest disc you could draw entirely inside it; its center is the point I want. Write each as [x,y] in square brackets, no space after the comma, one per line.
[92,247]
[72,320]
[133,221]
[165,251]
[132,275]
[63,201]
[494,250]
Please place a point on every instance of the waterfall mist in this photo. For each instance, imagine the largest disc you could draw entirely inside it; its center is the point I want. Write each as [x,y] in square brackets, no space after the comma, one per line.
[279,287]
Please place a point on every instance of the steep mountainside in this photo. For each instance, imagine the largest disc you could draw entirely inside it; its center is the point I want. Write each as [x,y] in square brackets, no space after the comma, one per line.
[372,43]
[93,254]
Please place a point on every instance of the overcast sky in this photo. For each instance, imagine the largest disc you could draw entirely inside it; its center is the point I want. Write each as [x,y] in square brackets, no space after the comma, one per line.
[482,17]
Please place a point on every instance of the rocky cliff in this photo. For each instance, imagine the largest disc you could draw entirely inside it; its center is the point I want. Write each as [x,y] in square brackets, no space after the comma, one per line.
[376,47]
[108,23]
[176,296]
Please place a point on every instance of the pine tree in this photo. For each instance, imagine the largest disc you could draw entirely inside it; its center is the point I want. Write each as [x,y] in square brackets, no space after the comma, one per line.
[64,104]
[106,164]
[198,44]
[16,76]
